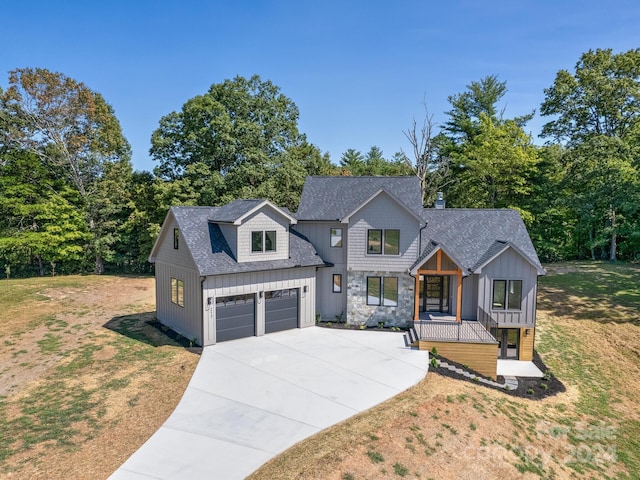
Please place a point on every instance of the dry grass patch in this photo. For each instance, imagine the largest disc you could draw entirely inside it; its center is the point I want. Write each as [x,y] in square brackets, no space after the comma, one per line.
[98,382]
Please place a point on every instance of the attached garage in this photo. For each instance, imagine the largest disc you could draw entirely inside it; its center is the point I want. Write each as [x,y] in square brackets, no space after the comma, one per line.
[235,317]
[281,310]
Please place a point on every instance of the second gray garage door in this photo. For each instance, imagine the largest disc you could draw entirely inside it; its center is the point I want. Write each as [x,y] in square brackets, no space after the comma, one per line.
[235,317]
[281,310]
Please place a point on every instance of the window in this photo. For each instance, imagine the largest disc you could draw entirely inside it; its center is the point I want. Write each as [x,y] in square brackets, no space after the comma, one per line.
[374,242]
[256,241]
[373,290]
[336,237]
[177,292]
[392,242]
[270,241]
[263,241]
[385,242]
[337,283]
[390,292]
[507,294]
[382,291]
[176,238]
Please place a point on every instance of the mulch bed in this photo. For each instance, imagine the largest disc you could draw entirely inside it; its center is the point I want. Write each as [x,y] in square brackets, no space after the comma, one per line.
[531,388]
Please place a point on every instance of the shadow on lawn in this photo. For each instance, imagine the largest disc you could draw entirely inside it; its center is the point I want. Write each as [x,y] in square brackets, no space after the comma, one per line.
[144,327]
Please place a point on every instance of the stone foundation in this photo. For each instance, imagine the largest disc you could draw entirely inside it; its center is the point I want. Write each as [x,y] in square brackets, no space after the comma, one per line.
[359,313]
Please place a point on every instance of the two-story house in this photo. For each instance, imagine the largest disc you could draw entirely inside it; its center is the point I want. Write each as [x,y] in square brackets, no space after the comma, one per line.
[362,250]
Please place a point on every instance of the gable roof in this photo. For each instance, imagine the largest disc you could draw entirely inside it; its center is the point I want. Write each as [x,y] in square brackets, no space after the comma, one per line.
[335,198]
[474,237]
[429,251]
[211,253]
[236,211]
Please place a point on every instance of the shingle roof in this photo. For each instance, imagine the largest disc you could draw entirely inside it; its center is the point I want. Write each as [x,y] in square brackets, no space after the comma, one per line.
[474,236]
[212,255]
[230,212]
[333,198]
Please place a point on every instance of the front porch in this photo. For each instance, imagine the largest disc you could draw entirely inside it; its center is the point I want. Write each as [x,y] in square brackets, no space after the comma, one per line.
[447,329]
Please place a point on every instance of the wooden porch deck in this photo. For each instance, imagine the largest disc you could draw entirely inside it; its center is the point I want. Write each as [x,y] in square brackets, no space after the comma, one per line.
[448,330]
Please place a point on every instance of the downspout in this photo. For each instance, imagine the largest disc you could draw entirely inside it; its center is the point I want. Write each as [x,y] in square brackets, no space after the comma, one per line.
[202,319]
[416,306]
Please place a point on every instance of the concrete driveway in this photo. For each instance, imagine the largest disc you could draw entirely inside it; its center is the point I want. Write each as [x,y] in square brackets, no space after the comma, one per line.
[253,398]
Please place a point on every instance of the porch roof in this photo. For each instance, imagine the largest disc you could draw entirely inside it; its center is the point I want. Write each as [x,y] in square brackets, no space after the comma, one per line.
[431,249]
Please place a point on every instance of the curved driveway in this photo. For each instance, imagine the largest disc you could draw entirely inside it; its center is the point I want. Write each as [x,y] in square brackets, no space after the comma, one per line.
[253,398]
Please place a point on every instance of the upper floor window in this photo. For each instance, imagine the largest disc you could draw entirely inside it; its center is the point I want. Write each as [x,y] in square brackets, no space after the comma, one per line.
[336,237]
[385,242]
[507,295]
[176,238]
[263,241]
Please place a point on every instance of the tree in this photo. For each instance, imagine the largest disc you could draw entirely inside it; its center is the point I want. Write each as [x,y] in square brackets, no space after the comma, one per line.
[69,127]
[496,167]
[596,113]
[236,122]
[353,161]
[602,97]
[428,164]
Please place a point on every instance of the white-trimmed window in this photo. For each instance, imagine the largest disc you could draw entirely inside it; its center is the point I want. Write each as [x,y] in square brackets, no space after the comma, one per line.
[382,291]
[507,295]
[336,237]
[383,242]
[337,283]
[263,241]
[177,292]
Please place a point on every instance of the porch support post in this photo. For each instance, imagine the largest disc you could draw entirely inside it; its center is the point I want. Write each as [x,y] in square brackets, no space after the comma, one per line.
[459,298]
[416,303]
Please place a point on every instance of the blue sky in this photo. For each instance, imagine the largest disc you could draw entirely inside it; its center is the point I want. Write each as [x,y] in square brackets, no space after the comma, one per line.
[358,71]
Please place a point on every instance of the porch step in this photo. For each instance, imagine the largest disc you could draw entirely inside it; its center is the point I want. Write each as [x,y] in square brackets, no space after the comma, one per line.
[411,337]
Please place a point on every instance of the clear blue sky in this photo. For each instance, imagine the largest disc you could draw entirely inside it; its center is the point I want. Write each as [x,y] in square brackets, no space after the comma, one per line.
[358,71]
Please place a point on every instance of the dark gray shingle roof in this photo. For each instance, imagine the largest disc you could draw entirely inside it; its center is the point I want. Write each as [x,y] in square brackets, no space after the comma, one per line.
[212,254]
[231,212]
[474,236]
[333,198]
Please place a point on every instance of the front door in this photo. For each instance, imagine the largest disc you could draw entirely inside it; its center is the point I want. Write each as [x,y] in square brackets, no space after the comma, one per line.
[508,343]
[435,293]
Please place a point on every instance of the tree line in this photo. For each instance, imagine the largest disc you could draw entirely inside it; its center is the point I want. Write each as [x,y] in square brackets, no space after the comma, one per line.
[70,200]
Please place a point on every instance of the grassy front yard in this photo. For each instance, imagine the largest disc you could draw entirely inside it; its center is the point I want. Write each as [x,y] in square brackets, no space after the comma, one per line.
[85,380]
[588,334]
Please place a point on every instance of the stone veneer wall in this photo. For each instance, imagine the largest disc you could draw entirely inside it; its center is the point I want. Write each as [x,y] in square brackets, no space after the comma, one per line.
[359,313]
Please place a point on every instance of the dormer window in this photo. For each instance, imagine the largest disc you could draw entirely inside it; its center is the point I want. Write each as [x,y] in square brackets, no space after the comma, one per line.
[263,241]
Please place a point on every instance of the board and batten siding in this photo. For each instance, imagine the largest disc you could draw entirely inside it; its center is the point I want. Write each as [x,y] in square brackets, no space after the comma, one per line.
[265,219]
[382,212]
[253,283]
[470,297]
[178,264]
[186,320]
[509,266]
[328,303]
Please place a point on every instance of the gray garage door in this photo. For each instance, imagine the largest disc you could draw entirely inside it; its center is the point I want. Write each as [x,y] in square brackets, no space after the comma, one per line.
[235,317]
[281,310]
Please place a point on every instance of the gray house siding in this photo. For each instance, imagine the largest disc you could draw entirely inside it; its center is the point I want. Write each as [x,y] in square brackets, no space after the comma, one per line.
[509,266]
[178,264]
[329,304]
[382,213]
[261,221]
[187,319]
[253,283]
[470,297]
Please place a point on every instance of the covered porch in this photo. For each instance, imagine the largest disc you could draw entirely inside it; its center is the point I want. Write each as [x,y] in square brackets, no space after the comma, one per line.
[438,289]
